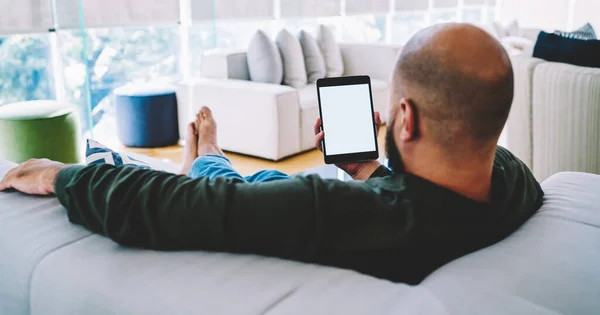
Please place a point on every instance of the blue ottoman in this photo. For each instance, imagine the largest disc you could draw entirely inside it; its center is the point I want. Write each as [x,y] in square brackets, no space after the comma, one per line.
[146,115]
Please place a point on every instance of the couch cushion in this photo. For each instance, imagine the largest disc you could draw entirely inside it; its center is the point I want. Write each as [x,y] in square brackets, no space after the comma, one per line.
[313,57]
[331,51]
[264,59]
[548,266]
[294,70]
[31,228]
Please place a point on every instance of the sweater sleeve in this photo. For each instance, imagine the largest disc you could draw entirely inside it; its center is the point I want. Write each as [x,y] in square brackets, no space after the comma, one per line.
[300,218]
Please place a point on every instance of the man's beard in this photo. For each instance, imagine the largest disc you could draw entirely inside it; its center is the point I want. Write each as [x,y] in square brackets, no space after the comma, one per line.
[395,162]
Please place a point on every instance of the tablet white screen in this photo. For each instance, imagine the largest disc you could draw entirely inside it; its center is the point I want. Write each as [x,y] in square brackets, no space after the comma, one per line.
[347,119]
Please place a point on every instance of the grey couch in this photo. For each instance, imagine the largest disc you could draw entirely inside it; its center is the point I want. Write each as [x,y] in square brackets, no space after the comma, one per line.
[48,266]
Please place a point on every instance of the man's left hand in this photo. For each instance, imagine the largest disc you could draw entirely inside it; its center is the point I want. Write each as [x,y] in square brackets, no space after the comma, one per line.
[34,177]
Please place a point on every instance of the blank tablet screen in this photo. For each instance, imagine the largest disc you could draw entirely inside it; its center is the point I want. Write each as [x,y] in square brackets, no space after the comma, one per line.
[346,112]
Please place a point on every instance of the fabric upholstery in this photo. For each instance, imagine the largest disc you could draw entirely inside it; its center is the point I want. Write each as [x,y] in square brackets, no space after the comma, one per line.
[585,32]
[313,57]
[97,153]
[566,119]
[519,125]
[294,69]
[257,119]
[48,266]
[577,52]
[31,229]
[39,129]
[275,139]
[264,60]
[225,64]
[331,52]
[547,267]
[147,115]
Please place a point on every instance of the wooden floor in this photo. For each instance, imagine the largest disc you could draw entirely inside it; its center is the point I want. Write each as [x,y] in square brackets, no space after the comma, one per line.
[246,165]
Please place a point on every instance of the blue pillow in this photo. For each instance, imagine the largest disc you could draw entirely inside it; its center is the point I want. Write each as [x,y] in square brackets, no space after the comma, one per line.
[579,52]
[97,153]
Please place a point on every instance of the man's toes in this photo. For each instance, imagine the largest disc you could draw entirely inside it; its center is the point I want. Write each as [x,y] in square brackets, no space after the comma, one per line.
[191,129]
[206,112]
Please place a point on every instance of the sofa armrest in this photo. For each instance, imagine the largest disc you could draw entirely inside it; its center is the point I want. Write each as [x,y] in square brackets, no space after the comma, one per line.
[519,124]
[254,118]
[566,119]
[225,64]
[374,60]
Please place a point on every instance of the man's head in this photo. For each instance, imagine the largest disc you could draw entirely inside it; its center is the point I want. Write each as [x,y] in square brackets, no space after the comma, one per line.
[452,90]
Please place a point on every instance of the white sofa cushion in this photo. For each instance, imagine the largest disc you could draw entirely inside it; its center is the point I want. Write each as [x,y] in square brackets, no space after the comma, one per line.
[49,266]
[331,51]
[313,57]
[264,60]
[294,70]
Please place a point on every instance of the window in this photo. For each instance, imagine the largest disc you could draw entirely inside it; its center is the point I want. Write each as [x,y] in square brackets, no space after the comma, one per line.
[115,56]
[25,68]
[364,29]
[405,25]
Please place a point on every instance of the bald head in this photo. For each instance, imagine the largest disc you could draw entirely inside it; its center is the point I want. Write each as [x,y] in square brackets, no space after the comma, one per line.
[460,81]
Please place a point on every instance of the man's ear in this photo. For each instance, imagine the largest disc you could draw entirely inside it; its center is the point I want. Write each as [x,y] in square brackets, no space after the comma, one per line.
[408,120]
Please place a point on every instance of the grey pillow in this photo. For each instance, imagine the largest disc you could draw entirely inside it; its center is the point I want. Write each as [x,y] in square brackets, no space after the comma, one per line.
[313,57]
[331,52]
[264,60]
[294,71]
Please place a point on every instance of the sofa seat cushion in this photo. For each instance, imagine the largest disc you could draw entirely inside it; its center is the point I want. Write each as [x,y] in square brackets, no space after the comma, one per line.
[31,229]
[309,109]
[548,266]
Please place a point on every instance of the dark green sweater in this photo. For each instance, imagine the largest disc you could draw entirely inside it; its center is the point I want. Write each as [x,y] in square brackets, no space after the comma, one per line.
[399,227]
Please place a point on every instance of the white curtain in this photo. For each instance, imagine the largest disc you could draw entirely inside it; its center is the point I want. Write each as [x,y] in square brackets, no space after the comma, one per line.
[367,6]
[586,11]
[310,8]
[20,16]
[231,9]
[543,14]
[412,5]
[445,4]
[110,13]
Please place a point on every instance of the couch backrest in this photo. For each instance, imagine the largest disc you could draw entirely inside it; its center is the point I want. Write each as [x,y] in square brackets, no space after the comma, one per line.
[225,64]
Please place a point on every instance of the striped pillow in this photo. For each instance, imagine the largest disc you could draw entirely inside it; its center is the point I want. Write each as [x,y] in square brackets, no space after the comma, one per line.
[586,33]
[97,153]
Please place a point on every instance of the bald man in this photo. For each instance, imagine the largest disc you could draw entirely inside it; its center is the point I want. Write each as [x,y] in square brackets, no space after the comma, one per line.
[450,190]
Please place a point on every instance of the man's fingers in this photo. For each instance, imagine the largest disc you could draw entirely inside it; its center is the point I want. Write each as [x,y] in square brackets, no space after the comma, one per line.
[378,121]
[319,140]
[318,126]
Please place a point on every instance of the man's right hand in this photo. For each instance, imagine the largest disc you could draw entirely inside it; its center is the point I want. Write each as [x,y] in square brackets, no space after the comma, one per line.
[358,171]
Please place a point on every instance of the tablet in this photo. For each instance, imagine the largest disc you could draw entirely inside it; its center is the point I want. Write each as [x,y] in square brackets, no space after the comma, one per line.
[348,119]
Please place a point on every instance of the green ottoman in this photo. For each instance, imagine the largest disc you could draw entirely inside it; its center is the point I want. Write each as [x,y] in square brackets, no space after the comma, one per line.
[39,129]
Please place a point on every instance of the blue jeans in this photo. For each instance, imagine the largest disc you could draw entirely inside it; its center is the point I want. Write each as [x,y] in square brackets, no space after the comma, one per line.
[213,166]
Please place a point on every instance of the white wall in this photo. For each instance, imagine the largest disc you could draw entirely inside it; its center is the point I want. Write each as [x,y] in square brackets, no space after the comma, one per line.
[543,14]
[551,14]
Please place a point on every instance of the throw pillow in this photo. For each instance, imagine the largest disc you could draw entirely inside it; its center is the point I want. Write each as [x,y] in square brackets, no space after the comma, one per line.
[331,52]
[264,60]
[501,31]
[294,70]
[579,52]
[585,32]
[97,153]
[313,57]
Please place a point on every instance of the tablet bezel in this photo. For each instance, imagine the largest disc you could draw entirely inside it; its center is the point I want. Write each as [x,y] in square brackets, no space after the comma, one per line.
[349,157]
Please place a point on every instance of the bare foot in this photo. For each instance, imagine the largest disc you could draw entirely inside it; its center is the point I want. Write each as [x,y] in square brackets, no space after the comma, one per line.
[207,133]
[191,148]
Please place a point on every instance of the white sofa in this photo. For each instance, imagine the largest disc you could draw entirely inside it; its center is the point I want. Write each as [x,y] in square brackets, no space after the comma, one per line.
[267,120]
[50,267]
[554,125]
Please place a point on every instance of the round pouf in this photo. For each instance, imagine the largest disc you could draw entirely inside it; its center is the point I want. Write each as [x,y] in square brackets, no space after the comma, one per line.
[146,115]
[39,129]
